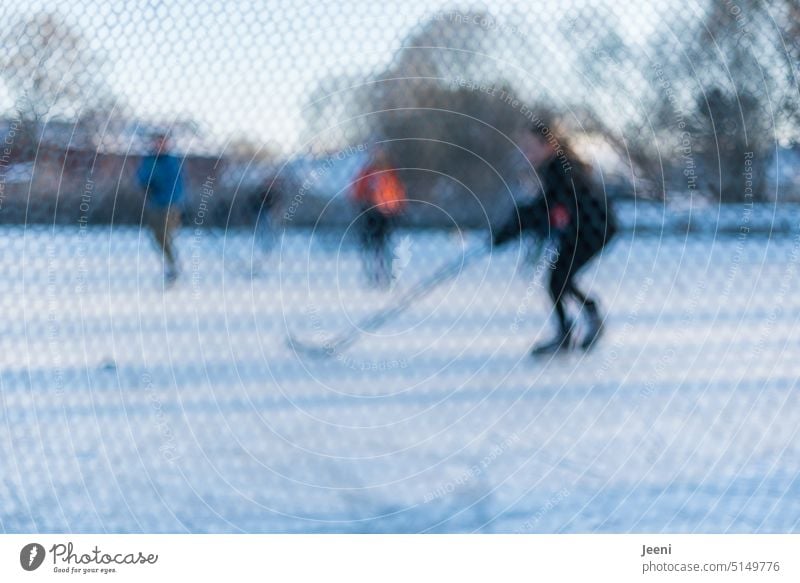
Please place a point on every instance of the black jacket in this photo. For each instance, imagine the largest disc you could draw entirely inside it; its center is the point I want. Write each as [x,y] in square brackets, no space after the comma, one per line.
[567,210]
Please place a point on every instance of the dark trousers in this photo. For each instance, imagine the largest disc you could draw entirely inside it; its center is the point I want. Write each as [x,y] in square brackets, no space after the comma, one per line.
[163,222]
[375,230]
[572,256]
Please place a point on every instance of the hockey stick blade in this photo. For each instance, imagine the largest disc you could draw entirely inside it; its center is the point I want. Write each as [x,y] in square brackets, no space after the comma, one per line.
[309,349]
[374,321]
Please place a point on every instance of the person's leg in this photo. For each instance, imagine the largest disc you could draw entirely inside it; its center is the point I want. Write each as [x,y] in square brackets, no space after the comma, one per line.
[582,255]
[366,244]
[585,300]
[383,250]
[373,245]
[157,221]
[171,224]
[163,223]
[269,230]
[557,287]
[557,283]
[593,319]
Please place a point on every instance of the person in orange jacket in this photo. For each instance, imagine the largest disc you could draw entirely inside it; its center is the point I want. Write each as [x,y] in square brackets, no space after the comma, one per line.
[380,197]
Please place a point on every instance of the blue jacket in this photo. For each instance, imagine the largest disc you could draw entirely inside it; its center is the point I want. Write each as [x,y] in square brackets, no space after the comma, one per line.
[160,176]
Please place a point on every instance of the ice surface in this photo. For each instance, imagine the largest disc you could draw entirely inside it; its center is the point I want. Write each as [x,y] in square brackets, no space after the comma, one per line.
[128,408]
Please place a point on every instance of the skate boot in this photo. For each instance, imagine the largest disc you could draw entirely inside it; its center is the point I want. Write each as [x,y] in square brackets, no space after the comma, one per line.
[594,326]
[561,342]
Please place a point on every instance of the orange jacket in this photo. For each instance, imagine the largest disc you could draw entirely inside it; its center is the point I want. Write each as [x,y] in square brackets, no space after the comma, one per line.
[381,188]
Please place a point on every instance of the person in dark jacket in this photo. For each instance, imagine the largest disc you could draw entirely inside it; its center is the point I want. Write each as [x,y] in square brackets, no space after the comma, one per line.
[576,219]
[160,176]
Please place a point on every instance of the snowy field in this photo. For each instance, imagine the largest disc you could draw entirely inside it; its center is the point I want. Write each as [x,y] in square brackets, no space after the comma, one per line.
[128,408]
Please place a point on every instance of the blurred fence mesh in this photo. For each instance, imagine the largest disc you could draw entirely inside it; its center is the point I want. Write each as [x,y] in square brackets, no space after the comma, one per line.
[668,100]
[122,398]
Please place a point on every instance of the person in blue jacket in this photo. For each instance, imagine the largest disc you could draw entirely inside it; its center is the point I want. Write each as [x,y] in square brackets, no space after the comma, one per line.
[160,175]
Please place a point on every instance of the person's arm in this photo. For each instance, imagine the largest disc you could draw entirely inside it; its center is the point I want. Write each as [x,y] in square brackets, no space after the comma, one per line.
[176,178]
[531,216]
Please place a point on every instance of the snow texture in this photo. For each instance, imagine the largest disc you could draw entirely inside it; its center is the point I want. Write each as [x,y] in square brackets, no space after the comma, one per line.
[130,408]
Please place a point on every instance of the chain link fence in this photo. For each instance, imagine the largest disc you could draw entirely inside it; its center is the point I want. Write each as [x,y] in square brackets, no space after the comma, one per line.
[195,339]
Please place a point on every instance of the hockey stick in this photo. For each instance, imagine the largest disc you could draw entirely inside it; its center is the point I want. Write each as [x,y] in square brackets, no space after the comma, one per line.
[374,321]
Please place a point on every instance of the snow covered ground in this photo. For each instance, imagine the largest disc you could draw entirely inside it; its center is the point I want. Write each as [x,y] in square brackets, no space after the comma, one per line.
[127,408]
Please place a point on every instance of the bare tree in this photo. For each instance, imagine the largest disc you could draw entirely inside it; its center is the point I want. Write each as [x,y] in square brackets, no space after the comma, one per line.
[54,73]
[443,113]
